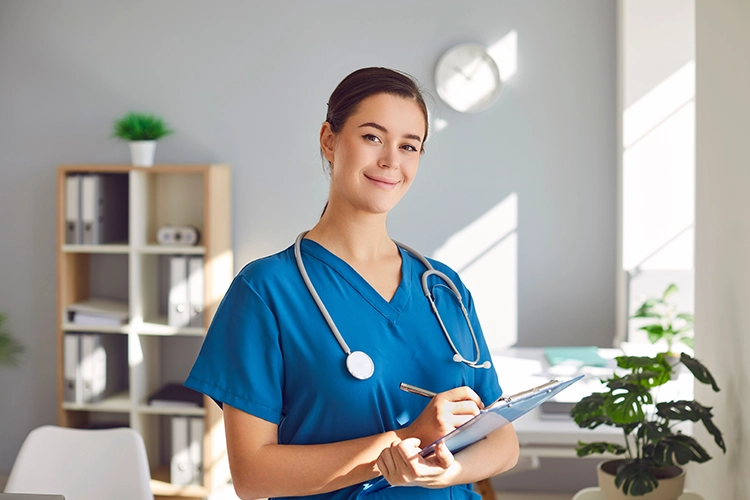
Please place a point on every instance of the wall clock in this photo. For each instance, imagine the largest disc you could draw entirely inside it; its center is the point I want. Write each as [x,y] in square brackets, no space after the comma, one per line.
[467,78]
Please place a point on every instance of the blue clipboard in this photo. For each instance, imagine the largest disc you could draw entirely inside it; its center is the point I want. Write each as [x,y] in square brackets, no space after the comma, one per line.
[500,413]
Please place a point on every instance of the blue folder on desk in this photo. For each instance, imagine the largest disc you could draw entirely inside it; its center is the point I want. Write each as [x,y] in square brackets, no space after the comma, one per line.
[497,415]
[579,356]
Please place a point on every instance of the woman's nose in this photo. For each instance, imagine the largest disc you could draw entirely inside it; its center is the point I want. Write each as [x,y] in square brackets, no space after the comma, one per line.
[389,158]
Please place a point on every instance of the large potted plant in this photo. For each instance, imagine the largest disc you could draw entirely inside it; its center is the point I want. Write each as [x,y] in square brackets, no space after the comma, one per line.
[654,450]
[10,348]
[666,322]
[141,131]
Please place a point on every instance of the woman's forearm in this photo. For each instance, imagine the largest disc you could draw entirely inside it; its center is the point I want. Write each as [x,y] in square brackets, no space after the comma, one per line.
[298,470]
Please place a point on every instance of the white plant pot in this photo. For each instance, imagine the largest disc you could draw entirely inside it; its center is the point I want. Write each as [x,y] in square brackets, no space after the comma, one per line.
[142,153]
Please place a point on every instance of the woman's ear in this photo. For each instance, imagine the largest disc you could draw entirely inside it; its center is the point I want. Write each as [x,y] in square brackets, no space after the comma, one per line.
[327,141]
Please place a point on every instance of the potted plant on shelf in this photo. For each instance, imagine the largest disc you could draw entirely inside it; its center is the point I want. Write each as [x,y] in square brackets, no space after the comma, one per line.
[141,131]
[670,325]
[654,449]
[10,348]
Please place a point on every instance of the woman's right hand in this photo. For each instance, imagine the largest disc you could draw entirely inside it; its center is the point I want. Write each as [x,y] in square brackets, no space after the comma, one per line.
[446,411]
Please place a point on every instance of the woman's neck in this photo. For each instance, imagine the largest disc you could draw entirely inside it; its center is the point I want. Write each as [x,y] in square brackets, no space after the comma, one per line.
[355,239]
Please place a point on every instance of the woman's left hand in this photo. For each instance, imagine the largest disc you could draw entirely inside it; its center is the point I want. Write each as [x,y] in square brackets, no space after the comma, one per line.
[401,464]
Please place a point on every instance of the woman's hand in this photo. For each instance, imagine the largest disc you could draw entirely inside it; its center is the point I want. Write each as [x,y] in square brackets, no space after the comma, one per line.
[445,412]
[401,464]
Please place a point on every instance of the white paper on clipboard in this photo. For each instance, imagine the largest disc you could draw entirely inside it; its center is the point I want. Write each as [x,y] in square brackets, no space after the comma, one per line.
[499,414]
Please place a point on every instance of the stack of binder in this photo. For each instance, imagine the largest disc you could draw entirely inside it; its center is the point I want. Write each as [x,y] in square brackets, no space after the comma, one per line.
[186,293]
[96,209]
[98,311]
[95,366]
[186,466]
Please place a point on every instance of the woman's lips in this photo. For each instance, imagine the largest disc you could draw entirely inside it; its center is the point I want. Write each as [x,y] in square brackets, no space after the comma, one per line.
[383,182]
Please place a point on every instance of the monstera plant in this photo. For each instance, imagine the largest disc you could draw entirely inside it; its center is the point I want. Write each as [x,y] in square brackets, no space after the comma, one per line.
[654,449]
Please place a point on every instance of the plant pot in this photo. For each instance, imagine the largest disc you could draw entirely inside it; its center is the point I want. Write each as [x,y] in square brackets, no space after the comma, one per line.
[671,483]
[142,153]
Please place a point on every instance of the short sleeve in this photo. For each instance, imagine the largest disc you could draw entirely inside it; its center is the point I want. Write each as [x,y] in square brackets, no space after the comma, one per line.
[240,362]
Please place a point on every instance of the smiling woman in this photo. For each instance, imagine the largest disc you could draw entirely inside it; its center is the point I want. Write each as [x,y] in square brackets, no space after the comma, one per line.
[304,419]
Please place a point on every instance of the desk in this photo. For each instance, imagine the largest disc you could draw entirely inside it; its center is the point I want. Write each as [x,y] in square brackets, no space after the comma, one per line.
[519,368]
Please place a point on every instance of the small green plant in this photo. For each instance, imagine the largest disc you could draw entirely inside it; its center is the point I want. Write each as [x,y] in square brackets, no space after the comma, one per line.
[670,325]
[10,348]
[651,442]
[140,127]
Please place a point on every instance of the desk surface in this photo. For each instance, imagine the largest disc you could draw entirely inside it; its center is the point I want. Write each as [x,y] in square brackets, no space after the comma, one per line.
[519,368]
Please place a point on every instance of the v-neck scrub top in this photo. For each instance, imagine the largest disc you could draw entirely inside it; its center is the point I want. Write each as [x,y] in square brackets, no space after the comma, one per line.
[270,353]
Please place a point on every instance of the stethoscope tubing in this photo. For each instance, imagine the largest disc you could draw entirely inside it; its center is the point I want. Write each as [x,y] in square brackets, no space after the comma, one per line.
[425,289]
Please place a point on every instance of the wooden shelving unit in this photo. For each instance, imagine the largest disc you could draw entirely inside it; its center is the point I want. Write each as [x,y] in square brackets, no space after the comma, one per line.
[198,195]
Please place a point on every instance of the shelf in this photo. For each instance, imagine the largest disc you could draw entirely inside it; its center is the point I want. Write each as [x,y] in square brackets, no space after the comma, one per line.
[105,248]
[191,411]
[159,326]
[117,403]
[172,249]
[136,270]
[75,327]
[160,485]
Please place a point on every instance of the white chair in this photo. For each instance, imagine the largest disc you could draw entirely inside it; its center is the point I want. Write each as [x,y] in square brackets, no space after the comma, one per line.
[82,464]
[596,494]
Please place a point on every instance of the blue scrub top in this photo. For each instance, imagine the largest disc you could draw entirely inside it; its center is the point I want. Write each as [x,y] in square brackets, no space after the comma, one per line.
[270,353]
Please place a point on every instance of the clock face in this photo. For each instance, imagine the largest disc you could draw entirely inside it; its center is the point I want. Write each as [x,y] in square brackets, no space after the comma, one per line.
[467,78]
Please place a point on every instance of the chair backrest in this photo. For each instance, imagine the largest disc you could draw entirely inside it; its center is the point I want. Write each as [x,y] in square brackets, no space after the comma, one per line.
[82,464]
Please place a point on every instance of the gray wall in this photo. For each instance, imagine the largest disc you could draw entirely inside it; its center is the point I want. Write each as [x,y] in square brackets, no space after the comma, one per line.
[247,83]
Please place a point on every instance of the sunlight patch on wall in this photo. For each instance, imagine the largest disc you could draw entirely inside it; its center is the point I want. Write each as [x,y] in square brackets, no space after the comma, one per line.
[658,105]
[485,253]
[505,53]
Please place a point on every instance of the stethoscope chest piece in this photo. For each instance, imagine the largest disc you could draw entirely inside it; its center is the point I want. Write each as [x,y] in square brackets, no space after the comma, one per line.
[360,365]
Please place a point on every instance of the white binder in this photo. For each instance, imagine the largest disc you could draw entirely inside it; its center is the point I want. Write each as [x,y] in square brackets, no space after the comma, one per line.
[72,389]
[195,291]
[178,314]
[196,449]
[73,227]
[88,346]
[181,473]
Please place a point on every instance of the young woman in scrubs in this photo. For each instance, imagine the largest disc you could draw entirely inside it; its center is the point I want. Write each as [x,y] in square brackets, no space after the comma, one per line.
[298,423]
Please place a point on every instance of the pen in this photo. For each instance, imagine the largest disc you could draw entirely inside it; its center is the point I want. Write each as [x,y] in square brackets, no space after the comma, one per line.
[416,390]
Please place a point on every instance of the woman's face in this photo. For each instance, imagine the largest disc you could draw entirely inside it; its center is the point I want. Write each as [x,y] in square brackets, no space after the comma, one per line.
[375,155]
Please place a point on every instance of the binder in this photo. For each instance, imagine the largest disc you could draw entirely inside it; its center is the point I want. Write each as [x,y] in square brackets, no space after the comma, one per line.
[110,365]
[87,346]
[196,449]
[181,473]
[71,389]
[104,208]
[176,395]
[73,227]
[178,314]
[195,291]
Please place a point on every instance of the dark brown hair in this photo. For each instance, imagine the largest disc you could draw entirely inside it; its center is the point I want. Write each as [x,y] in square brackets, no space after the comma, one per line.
[366,82]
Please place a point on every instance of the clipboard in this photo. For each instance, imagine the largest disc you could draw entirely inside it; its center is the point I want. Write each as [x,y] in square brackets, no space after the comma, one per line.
[500,413]
[494,416]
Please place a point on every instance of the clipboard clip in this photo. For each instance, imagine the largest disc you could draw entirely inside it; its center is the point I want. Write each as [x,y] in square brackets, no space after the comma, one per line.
[509,399]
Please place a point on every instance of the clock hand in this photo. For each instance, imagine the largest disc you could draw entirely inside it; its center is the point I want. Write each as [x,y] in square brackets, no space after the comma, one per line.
[461,71]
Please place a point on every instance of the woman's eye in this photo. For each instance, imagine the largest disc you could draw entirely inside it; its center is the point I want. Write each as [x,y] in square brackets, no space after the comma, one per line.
[409,147]
[371,137]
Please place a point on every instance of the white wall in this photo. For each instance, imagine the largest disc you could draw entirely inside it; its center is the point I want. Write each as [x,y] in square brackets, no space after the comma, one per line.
[246,83]
[657,109]
[722,266]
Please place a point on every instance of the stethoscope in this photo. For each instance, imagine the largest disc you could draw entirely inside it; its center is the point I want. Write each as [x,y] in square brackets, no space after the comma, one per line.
[358,363]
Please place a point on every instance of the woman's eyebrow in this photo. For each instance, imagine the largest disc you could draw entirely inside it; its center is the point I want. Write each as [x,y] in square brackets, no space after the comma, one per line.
[385,130]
